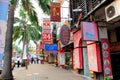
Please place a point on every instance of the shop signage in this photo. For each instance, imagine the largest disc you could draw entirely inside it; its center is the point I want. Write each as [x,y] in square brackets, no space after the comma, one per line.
[106,58]
[61,59]
[115,46]
[89,31]
[55,13]
[47,37]
[51,47]
[77,59]
[94,58]
[77,38]
[64,35]
[46,25]
[46,31]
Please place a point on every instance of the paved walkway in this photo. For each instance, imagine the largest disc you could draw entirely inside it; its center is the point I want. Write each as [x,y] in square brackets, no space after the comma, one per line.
[45,72]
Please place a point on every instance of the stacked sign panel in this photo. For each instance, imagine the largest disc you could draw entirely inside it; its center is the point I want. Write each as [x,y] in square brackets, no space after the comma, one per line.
[46,31]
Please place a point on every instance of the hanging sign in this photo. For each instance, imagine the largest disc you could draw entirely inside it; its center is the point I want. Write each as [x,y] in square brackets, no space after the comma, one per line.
[55,14]
[47,37]
[51,47]
[65,35]
[89,31]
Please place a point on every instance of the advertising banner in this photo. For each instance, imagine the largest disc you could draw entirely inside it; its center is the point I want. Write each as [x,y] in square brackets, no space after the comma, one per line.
[89,31]
[46,31]
[4,4]
[55,13]
[94,58]
[106,58]
[46,23]
[4,9]
[3,26]
[47,37]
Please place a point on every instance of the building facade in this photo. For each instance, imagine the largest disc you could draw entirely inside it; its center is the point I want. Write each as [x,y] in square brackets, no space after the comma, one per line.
[106,49]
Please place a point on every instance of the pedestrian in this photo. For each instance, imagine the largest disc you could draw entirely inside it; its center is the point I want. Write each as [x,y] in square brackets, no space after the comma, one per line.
[32,60]
[18,61]
[37,59]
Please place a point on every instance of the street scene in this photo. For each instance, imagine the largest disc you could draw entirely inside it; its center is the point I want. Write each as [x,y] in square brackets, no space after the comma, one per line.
[59,40]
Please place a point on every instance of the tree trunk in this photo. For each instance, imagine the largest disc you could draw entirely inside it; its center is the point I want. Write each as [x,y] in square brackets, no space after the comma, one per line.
[7,71]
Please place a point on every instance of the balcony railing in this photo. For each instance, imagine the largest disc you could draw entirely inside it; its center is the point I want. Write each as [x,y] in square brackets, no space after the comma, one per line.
[87,7]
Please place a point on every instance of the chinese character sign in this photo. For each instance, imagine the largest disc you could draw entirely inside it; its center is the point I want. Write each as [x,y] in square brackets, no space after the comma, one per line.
[55,14]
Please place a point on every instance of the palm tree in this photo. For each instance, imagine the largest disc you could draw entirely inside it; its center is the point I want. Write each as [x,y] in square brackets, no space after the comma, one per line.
[27,5]
[25,31]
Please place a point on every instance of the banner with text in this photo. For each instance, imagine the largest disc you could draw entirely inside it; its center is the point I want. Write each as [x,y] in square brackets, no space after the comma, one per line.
[55,13]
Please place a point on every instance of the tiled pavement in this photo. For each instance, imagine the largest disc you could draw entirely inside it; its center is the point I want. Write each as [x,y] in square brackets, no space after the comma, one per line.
[45,72]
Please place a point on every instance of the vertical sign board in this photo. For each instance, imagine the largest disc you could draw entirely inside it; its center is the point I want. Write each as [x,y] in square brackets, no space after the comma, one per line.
[106,58]
[77,58]
[3,26]
[77,54]
[94,58]
[55,14]
[46,31]
[89,31]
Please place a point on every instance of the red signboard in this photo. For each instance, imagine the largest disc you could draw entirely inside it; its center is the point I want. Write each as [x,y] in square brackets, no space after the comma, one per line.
[55,14]
[77,54]
[47,37]
[94,58]
[77,38]
[106,58]
[89,31]
[77,58]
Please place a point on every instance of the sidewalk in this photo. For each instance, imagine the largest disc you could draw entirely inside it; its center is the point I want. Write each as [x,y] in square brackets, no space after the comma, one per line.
[45,72]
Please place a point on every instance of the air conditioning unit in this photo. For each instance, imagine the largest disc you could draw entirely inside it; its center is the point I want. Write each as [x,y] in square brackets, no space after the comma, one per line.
[112,11]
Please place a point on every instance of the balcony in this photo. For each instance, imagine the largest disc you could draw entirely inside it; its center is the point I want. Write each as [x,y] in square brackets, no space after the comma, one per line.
[87,6]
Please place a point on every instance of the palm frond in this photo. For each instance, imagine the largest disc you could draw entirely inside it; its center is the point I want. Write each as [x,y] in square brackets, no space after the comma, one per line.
[29,8]
[45,6]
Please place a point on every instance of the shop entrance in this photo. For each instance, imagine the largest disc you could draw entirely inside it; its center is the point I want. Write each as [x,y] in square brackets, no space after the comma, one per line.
[115,59]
